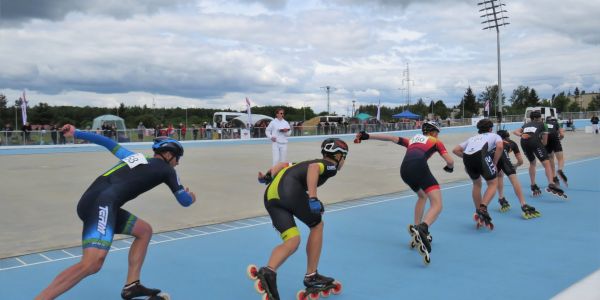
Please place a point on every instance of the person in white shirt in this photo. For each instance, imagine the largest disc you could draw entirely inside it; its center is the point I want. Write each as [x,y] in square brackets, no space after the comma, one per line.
[480,154]
[278,131]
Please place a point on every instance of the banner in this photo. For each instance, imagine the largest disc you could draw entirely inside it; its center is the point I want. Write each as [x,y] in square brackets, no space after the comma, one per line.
[23,109]
[486,108]
[250,124]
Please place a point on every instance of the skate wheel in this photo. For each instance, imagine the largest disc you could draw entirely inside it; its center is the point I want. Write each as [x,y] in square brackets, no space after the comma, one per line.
[490,226]
[412,244]
[430,238]
[251,271]
[259,287]
[300,295]
[265,297]
[325,293]
[337,289]
[427,259]
[164,296]
[313,296]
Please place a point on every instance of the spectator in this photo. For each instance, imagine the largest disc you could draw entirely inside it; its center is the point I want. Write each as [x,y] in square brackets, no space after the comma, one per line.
[208,131]
[26,133]
[194,132]
[594,121]
[54,133]
[8,133]
[140,131]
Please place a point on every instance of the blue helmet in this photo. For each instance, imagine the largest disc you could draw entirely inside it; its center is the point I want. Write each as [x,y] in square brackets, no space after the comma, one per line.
[164,144]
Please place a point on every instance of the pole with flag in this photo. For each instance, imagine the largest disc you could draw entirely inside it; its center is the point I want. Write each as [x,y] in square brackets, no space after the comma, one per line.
[24,109]
[249,113]
[379,110]
[486,108]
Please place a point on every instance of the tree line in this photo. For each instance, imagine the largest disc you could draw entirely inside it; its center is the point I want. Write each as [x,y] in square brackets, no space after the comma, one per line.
[470,105]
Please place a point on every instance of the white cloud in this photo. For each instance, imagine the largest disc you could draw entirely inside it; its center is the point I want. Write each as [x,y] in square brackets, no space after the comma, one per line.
[213,53]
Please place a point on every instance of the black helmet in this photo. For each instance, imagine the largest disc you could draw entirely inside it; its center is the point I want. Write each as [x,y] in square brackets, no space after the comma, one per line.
[535,114]
[331,146]
[164,144]
[484,125]
[503,134]
[430,126]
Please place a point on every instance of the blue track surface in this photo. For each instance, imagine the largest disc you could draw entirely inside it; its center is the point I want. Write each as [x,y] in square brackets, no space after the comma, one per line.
[366,247]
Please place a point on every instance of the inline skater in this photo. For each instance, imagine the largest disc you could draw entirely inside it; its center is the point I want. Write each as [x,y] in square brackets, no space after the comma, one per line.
[415,172]
[292,192]
[534,137]
[480,154]
[102,215]
[554,148]
[505,166]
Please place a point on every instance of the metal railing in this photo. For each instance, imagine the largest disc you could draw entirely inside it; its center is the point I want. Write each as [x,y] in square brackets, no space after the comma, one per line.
[53,137]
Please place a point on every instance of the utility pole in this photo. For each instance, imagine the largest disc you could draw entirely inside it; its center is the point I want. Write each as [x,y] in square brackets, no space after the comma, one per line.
[328,90]
[493,13]
[353,109]
[407,79]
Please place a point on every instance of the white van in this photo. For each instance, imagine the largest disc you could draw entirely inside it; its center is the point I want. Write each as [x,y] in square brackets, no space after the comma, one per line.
[545,111]
[224,116]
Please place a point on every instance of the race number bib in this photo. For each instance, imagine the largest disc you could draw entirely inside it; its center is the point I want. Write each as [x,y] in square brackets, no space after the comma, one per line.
[529,129]
[419,138]
[135,159]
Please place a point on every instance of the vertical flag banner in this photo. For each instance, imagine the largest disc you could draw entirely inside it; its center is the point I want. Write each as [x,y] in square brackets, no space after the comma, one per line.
[379,111]
[24,109]
[249,113]
[487,108]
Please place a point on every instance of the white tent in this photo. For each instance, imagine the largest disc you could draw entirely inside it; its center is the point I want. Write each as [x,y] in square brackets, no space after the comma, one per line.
[110,120]
[241,121]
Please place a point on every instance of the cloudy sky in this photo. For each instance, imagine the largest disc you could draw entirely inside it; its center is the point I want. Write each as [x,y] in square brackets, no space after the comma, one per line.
[213,53]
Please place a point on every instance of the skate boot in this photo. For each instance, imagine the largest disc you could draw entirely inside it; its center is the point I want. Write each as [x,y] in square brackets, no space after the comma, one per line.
[504,205]
[482,217]
[267,283]
[412,243]
[555,190]
[529,212]
[562,177]
[555,180]
[535,190]
[421,241]
[136,290]
[316,284]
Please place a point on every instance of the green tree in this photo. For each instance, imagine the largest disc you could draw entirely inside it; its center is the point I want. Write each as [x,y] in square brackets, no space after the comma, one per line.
[532,99]
[561,102]
[574,106]
[518,99]
[594,105]
[469,103]
[490,94]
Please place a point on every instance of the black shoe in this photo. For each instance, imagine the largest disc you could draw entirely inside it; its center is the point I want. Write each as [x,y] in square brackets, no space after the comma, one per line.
[136,289]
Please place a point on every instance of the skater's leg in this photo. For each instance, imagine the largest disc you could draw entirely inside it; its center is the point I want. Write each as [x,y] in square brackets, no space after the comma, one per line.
[548,171]
[283,251]
[476,192]
[313,248]
[516,187]
[560,160]
[532,165]
[501,184]
[420,206]
[490,191]
[91,262]
[435,199]
[142,231]
[552,166]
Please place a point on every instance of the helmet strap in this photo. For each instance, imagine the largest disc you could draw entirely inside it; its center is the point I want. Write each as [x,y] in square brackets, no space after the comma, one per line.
[165,159]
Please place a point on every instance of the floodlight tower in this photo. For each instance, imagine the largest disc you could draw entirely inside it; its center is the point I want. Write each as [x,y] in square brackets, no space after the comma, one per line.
[328,90]
[493,14]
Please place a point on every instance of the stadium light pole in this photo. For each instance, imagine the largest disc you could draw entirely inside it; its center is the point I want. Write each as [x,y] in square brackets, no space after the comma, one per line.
[328,90]
[493,14]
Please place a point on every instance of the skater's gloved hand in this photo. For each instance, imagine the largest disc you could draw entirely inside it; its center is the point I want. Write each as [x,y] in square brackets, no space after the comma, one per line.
[265,178]
[448,169]
[361,136]
[316,206]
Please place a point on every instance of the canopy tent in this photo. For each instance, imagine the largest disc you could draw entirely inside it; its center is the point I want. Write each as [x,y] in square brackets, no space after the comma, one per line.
[241,121]
[363,116]
[109,120]
[407,114]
